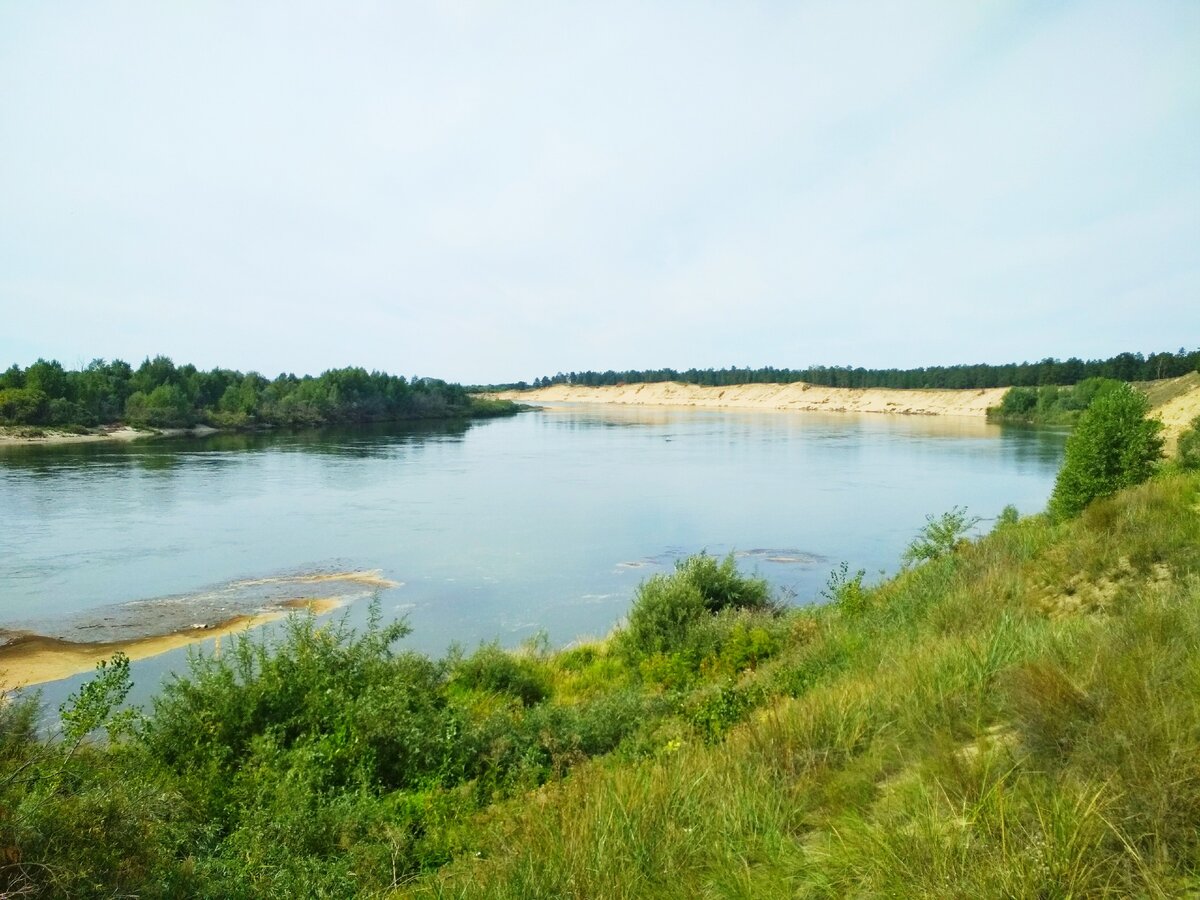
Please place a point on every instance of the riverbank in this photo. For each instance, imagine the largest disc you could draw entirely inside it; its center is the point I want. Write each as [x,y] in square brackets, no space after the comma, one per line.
[1175,402]
[796,397]
[962,727]
[17,435]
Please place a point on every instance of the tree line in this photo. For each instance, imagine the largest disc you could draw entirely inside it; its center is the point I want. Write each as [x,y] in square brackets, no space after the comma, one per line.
[1123,367]
[160,394]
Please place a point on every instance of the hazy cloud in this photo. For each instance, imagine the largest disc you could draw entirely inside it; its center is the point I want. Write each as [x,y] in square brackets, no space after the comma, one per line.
[487,192]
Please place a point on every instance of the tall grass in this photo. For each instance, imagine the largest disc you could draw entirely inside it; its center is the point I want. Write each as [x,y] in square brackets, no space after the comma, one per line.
[979,742]
[1010,717]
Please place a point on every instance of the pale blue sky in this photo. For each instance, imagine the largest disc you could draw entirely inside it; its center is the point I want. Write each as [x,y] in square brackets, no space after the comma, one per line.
[489,192]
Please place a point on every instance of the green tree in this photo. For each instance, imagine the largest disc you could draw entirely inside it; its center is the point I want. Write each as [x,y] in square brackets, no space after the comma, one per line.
[1114,446]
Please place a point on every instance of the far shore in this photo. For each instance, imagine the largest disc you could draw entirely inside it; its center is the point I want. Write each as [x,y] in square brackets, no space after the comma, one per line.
[32,659]
[796,397]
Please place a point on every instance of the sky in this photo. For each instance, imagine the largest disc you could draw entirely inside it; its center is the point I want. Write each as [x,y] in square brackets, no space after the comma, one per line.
[490,192]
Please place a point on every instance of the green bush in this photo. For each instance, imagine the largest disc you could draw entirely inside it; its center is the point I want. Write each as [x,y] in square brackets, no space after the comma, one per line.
[939,536]
[1050,404]
[1008,516]
[491,668]
[1114,446]
[1189,446]
[23,406]
[668,608]
[846,591]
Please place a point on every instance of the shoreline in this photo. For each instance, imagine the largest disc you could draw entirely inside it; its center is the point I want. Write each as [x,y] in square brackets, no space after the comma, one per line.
[19,436]
[33,659]
[795,397]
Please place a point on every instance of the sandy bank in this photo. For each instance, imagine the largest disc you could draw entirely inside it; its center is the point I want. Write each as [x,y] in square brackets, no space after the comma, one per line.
[30,659]
[11,435]
[799,397]
[1175,402]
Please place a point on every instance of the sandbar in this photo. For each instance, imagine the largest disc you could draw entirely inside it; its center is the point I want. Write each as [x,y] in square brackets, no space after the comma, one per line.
[36,434]
[29,659]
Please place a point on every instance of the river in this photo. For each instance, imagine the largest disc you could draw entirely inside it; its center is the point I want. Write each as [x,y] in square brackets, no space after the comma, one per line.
[499,529]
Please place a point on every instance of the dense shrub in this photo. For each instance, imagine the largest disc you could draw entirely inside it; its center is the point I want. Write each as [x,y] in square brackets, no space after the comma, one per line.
[491,668]
[667,608]
[1114,446]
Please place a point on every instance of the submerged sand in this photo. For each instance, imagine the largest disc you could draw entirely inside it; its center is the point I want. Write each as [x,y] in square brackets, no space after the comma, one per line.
[799,397]
[28,658]
[31,659]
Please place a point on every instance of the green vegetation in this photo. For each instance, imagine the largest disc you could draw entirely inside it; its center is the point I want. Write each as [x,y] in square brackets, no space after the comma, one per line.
[159,394]
[1122,367]
[1114,446]
[1189,446]
[1050,404]
[1012,715]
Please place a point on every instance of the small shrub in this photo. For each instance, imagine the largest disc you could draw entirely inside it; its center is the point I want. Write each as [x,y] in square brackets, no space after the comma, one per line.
[1008,516]
[940,536]
[491,668]
[747,646]
[716,709]
[1189,446]
[846,592]
[577,658]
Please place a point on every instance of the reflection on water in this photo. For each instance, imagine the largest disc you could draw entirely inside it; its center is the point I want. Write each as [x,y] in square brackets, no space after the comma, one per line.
[497,529]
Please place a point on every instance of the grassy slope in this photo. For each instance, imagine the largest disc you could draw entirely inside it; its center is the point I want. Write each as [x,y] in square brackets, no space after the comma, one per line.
[1016,719]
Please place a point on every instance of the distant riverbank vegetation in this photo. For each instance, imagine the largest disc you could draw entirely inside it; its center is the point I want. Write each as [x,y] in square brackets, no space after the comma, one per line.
[1010,715]
[159,394]
[1050,404]
[1122,367]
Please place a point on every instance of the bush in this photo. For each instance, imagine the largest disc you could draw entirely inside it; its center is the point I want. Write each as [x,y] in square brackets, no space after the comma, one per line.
[939,536]
[1189,446]
[1114,446]
[846,591]
[23,406]
[668,607]
[491,668]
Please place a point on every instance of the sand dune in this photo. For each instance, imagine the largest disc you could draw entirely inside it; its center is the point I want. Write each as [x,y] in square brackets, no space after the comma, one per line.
[800,397]
[1179,405]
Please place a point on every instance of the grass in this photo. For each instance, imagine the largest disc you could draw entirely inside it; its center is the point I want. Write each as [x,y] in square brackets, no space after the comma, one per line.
[1013,716]
[959,735]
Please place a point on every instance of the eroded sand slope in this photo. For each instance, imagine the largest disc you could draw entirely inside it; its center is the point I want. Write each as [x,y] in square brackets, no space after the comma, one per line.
[797,397]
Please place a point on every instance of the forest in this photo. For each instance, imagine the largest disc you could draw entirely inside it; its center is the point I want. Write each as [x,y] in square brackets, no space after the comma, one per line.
[1122,367]
[160,394]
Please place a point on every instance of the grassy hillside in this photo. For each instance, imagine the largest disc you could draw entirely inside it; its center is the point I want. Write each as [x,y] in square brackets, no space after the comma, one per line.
[1010,716]
[1015,718]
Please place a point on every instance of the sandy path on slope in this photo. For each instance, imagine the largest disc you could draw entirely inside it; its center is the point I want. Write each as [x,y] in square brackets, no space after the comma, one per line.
[799,396]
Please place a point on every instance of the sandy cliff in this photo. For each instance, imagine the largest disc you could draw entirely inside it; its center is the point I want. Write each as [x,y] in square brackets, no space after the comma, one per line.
[797,397]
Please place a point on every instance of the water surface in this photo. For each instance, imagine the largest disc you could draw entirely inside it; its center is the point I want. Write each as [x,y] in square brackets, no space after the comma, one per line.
[494,530]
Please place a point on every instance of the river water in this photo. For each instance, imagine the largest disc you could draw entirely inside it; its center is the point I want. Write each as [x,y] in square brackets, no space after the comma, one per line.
[501,529]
